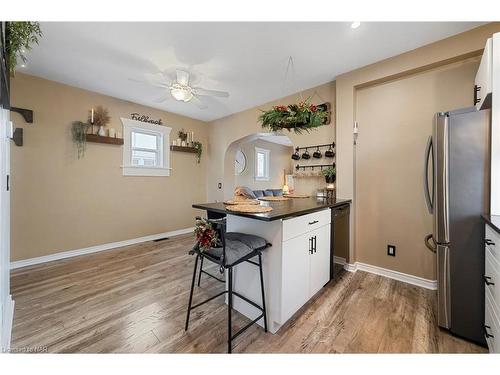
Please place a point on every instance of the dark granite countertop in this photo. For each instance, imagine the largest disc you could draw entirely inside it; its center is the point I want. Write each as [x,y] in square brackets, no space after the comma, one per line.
[493,221]
[281,210]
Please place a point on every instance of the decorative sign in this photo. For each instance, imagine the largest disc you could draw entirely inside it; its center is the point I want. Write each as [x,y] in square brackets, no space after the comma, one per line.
[144,118]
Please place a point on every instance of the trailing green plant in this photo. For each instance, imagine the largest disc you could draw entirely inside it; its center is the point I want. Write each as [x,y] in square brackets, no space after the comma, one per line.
[329,172]
[300,117]
[20,38]
[199,149]
[79,131]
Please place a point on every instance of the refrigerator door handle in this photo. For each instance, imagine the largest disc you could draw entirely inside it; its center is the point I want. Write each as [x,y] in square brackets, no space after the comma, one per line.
[429,198]
[432,247]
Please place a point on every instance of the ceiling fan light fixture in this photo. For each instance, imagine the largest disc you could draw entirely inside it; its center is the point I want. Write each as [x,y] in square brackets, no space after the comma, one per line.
[181,93]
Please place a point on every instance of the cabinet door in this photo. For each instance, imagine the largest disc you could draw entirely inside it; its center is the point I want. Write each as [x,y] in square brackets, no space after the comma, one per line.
[483,80]
[295,278]
[320,259]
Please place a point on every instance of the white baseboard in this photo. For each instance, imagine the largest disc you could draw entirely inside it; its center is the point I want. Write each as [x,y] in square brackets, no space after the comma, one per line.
[339,260]
[95,249]
[395,275]
[7,325]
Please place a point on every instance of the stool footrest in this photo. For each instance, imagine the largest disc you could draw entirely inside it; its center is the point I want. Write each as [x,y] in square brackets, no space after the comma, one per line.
[215,277]
[248,301]
[247,326]
[208,300]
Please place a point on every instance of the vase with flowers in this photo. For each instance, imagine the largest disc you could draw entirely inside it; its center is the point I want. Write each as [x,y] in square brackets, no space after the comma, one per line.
[100,118]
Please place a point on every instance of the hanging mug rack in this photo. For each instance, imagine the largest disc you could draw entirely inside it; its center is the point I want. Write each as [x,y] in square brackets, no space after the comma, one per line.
[329,153]
[312,166]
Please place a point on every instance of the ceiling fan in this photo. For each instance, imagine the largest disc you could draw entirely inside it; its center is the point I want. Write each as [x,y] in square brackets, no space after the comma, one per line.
[181,90]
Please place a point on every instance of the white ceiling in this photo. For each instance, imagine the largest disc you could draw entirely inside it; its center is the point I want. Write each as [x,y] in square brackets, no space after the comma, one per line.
[280,139]
[247,59]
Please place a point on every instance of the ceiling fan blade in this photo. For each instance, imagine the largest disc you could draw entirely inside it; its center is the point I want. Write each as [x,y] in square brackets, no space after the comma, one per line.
[163,98]
[196,101]
[145,81]
[182,77]
[205,92]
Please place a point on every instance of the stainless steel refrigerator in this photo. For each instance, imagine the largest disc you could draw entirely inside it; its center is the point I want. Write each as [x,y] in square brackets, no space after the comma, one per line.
[457,193]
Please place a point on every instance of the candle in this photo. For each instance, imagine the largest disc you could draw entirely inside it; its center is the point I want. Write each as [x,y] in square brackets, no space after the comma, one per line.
[92,116]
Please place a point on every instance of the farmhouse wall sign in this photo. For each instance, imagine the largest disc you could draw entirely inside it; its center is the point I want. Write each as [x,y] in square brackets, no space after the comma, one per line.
[144,118]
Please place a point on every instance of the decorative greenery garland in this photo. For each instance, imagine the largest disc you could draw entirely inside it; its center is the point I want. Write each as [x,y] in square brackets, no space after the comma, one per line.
[297,117]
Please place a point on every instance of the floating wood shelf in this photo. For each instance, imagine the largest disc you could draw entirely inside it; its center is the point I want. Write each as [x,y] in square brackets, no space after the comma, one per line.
[100,139]
[192,150]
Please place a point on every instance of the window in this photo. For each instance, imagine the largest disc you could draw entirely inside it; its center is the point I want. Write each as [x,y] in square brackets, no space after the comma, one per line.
[145,149]
[262,157]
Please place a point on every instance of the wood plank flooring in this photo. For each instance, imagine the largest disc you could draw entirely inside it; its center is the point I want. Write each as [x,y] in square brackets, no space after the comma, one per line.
[133,300]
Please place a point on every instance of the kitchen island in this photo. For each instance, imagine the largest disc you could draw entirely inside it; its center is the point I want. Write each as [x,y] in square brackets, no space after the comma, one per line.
[297,265]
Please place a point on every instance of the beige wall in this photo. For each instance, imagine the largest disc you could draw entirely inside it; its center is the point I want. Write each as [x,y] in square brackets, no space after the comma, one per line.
[395,121]
[225,131]
[60,203]
[470,42]
[279,161]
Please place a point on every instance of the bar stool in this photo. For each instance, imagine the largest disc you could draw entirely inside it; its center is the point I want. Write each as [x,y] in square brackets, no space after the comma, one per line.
[233,248]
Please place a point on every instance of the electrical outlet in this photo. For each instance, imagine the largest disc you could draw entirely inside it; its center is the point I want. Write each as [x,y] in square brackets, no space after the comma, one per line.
[391,250]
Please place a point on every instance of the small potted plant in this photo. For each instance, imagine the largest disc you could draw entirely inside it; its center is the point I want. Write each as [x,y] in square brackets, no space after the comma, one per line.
[330,174]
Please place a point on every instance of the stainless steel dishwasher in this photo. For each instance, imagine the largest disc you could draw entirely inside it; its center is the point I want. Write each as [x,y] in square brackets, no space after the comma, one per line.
[339,239]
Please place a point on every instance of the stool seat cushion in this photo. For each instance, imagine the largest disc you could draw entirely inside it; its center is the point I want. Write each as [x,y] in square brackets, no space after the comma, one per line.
[238,246]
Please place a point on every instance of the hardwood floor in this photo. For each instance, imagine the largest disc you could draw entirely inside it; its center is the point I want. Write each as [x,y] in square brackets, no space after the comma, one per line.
[133,300]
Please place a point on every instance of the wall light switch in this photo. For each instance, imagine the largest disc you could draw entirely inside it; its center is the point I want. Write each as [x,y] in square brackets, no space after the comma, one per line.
[391,250]
[219,185]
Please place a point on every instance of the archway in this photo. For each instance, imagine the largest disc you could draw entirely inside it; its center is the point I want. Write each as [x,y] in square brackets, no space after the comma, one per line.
[281,148]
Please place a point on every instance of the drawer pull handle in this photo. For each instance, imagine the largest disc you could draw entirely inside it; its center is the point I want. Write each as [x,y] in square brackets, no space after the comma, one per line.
[486,332]
[487,280]
[313,222]
[489,242]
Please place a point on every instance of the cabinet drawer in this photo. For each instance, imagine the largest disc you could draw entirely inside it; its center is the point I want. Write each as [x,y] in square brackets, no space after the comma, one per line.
[492,240]
[491,325]
[492,279]
[302,224]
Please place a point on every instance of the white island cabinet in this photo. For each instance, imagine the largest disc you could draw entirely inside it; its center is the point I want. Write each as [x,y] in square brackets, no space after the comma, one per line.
[295,268]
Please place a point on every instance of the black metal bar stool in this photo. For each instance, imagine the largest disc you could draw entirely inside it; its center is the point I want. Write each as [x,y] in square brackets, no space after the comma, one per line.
[232,249]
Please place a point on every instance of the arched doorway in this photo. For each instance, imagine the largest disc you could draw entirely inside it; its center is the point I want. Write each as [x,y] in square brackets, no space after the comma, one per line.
[280,148]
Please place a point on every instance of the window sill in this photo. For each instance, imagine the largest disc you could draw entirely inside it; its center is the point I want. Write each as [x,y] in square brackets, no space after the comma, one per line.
[145,171]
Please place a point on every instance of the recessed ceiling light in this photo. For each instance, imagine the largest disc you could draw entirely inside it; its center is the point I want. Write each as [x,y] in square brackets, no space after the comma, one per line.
[355,25]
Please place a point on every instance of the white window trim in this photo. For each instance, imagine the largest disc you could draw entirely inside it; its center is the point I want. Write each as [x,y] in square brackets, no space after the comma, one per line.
[134,170]
[267,165]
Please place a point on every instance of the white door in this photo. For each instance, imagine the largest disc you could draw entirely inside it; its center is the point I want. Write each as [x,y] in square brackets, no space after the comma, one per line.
[5,298]
[295,279]
[320,259]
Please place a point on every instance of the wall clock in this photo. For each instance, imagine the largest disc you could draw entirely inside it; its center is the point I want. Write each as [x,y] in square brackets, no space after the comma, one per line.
[240,162]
